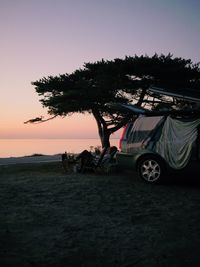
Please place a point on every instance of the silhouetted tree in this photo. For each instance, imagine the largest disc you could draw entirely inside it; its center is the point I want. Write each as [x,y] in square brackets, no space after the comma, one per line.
[116,81]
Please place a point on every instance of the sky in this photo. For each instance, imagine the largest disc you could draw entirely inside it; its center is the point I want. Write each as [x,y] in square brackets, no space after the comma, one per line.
[51,37]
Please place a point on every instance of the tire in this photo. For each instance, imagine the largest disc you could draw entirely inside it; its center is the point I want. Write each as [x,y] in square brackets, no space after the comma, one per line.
[151,169]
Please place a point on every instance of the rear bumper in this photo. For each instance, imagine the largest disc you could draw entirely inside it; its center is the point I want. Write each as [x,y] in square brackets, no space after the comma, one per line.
[126,161]
[130,160]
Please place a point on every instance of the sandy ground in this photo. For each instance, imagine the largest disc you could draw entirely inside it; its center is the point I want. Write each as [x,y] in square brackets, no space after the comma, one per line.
[52,218]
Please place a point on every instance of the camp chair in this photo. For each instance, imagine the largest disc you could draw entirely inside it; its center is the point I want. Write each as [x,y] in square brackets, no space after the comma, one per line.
[107,161]
[94,163]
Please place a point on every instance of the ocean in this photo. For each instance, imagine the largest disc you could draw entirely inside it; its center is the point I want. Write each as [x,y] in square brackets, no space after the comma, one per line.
[27,147]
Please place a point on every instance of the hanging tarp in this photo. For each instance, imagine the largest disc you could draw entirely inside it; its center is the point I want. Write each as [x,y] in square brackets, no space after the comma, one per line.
[176,141]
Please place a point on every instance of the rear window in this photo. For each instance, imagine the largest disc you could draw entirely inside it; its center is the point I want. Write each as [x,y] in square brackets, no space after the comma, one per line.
[142,128]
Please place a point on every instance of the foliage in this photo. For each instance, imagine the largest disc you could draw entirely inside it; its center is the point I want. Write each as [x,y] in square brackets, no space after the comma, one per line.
[117,81]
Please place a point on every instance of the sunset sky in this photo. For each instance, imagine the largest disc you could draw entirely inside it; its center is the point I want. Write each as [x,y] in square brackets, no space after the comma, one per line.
[51,37]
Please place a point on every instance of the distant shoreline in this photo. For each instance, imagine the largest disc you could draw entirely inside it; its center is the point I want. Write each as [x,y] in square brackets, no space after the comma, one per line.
[30,159]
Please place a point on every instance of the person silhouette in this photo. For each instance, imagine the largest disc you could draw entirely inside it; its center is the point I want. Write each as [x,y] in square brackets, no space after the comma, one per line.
[65,161]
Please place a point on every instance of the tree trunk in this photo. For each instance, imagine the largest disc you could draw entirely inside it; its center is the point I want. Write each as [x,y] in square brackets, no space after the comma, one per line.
[104,132]
[105,138]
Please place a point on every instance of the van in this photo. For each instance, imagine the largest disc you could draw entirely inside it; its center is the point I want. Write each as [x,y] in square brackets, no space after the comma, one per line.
[155,145]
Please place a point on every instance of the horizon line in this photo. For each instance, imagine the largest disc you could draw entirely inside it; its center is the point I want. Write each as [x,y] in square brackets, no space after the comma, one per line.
[39,138]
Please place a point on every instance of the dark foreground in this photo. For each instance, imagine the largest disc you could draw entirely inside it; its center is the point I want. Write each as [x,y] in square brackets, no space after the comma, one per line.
[49,218]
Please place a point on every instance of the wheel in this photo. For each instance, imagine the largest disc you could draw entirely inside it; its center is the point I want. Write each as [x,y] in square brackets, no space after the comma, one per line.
[151,169]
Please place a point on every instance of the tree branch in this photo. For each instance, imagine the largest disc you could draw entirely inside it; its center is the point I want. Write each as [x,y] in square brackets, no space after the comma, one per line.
[39,120]
[121,124]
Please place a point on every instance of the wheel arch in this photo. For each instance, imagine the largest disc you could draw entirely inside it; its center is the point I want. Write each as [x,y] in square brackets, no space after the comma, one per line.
[149,154]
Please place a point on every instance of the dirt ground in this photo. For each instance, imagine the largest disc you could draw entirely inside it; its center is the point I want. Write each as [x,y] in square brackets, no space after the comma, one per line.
[52,218]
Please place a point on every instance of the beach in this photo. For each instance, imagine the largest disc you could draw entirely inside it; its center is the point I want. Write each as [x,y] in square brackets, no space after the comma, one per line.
[53,218]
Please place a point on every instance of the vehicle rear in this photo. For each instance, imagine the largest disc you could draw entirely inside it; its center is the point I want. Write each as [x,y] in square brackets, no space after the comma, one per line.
[124,159]
[137,148]
[155,144]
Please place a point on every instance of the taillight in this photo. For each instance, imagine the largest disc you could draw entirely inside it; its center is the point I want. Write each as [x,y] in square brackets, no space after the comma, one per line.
[122,137]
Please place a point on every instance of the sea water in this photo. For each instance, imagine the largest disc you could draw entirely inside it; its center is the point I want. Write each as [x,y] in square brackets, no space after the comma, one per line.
[27,147]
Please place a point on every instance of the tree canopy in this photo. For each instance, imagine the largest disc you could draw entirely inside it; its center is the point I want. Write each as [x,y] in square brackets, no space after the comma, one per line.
[115,81]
